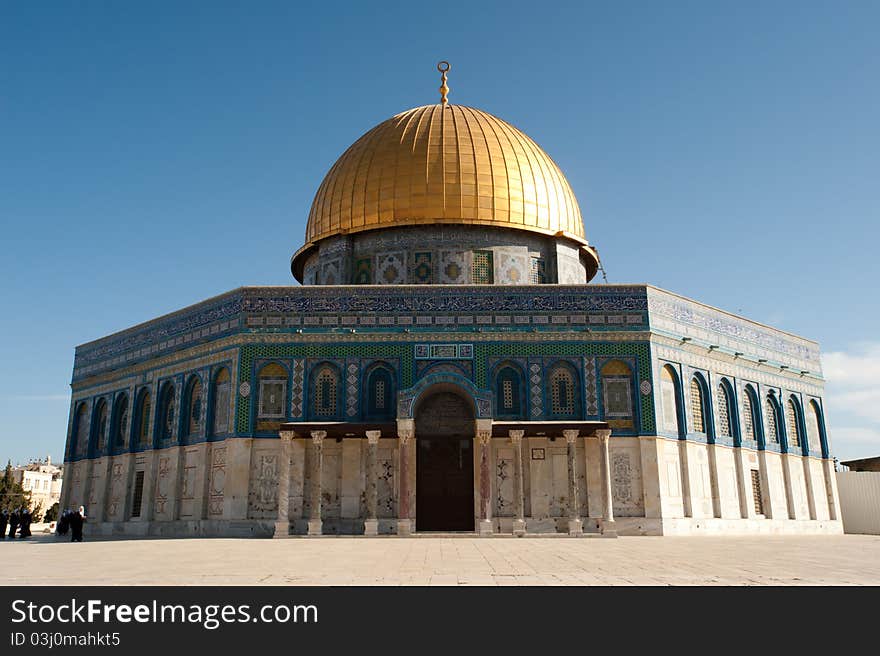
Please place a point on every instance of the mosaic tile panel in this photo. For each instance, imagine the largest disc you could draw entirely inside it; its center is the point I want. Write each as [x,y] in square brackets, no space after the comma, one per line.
[590,380]
[391,268]
[453,267]
[363,271]
[423,269]
[297,394]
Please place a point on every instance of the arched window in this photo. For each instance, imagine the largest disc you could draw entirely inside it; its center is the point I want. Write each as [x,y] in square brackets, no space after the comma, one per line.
[193,414]
[563,392]
[80,431]
[750,415]
[380,394]
[99,426]
[273,391]
[814,431]
[220,403]
[142,418]
[698,406]
[724,413]
[669,399]
[165,429]
[772,420]
[508,392]
[325,397]
[617,390]
[793,431]
[119,428]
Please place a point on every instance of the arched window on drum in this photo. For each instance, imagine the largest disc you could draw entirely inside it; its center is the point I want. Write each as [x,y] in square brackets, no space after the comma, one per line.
[508,392]
[564,397]
[617,394]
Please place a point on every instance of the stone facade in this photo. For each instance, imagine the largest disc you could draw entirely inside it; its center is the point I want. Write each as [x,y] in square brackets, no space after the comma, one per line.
[214,414]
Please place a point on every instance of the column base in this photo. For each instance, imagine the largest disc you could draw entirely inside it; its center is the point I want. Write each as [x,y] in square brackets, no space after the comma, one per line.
[404,527]
[607,528]
[486,527]
[282,529]
[371,527]
[315,527]
[519,527]
[575,527]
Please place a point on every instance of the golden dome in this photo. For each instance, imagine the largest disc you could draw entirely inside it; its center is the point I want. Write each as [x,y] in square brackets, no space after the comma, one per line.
[444,164]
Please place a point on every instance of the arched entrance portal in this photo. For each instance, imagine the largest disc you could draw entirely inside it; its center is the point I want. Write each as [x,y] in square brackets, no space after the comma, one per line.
[444,463]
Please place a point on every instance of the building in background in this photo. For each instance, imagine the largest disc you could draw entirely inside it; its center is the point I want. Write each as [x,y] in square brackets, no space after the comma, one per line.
[42,479]
[446,365]
[859,485]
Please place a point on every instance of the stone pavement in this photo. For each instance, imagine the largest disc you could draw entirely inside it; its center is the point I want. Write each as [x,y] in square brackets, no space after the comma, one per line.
[770,560]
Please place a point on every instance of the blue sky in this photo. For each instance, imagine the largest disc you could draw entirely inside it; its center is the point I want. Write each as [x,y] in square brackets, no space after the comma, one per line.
[155,154]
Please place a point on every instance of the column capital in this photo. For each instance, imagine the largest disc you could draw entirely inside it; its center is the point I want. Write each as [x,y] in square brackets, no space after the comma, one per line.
[516,436]
[318,436]
[571,435]
[603,434]
[286,436]
[483,436]
[373,436]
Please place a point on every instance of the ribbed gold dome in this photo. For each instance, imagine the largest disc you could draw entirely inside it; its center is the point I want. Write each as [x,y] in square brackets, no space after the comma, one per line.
[444,164]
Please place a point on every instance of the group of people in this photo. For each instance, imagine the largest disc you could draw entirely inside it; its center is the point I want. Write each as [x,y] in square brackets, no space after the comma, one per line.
[72,520]
[18,520]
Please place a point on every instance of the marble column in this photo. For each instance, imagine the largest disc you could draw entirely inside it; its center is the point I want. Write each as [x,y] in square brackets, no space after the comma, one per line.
[484,437]
[405,434]
[712,455]
[315,526]
[828,471]
[282,524]
[371,523]
[519,522]
[608,527]
[575,526]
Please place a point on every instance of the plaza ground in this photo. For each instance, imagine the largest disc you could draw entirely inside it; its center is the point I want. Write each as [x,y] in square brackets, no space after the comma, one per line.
[819,560]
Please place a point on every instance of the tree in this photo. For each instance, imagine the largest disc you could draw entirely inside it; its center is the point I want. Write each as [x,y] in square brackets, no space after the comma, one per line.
[12,494]
[51,514]
[37,512]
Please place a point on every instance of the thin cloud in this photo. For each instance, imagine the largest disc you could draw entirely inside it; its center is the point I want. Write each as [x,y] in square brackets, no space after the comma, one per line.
[40,397]
[852,399]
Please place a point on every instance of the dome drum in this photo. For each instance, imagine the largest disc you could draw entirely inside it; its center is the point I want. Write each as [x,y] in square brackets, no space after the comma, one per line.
[445,254]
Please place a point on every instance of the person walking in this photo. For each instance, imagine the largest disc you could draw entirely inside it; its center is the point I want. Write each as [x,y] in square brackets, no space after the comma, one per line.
[25,530]
[76,524]
[63,523]
[13,523]
[4,520]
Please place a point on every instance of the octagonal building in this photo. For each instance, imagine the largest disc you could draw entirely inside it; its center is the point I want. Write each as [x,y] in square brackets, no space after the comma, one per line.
[446,365]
